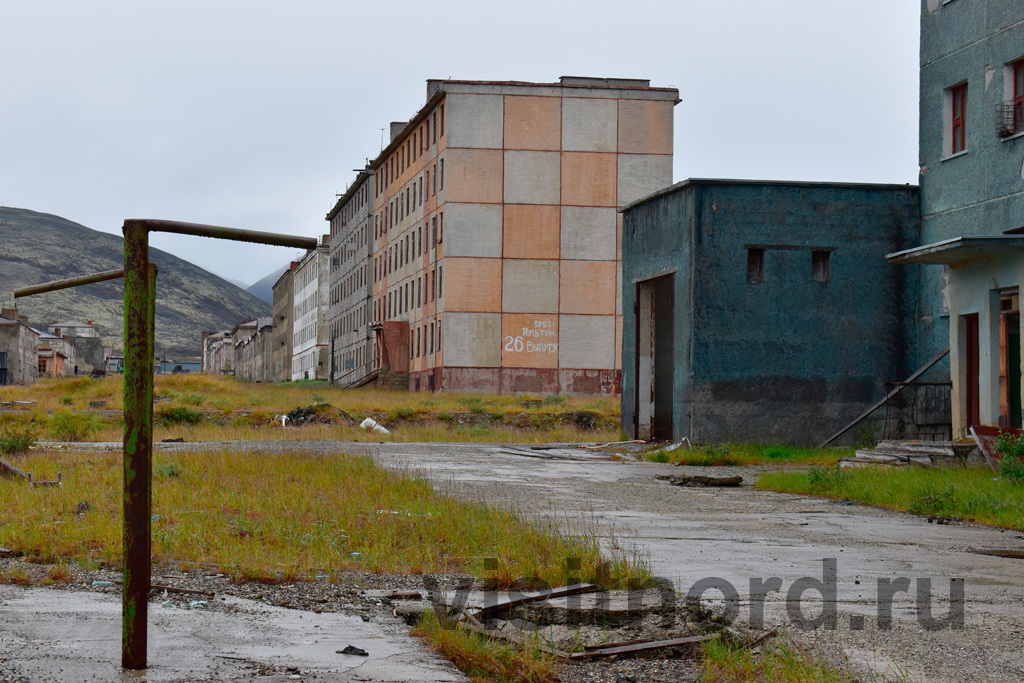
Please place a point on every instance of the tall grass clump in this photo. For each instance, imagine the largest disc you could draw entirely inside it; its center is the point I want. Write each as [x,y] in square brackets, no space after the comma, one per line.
[168,416]
[1011,450]
[67,425]
[16,439]
[779,660]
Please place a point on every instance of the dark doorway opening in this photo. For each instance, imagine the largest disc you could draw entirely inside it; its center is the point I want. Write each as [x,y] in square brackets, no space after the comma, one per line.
[655,358]
[1009,360]
[972,364]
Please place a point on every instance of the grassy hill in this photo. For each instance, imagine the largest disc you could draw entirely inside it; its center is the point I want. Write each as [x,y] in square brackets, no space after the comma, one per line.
[39,247]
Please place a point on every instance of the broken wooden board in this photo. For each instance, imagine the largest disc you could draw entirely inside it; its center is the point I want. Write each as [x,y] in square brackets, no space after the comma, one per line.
[8,469]
[509,602]
[632,648]
[700,480]
[987,438]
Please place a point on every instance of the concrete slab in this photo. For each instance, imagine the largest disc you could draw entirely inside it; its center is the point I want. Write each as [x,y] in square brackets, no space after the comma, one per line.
[60,635]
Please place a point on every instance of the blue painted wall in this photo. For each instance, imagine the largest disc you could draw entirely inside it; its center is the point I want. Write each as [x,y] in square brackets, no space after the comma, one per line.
[980,192]
[789,359]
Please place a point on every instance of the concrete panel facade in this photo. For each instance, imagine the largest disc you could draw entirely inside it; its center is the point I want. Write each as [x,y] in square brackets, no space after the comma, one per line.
[529,286]
[531,231]
[591,125]
[531,177]
[583,341]
[472,284]
[588,233]
[475,121]
[642,174]
[533,123]
[497,204]
[472,339]
[473,230]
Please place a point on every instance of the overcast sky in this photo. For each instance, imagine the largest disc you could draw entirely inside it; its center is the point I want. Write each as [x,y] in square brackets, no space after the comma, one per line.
[253,114]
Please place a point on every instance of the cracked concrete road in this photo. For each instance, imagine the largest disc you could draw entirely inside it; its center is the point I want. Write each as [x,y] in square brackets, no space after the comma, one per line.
[743,534]
[61,635]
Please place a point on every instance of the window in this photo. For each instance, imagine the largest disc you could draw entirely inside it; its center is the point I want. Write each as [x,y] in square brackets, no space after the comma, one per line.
[1018,96]
[441,179]
[821,265]
[755,265]
[958,118]
[441,133]
[433,191]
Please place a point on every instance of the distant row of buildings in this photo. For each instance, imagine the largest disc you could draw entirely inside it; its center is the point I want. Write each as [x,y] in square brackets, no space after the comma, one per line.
[60,349]
[479,251]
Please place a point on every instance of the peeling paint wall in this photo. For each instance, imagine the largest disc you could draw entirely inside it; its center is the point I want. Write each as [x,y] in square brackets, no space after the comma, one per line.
[788,359]
[980,191]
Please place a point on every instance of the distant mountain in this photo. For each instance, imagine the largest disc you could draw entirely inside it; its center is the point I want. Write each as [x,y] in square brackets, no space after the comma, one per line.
[236,283]
[40,247]
[264,287]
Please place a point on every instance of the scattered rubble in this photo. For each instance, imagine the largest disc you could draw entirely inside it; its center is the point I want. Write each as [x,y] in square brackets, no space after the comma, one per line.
[700,480]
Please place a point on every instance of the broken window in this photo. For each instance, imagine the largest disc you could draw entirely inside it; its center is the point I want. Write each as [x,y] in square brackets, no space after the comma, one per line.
[821,265]
[755,265]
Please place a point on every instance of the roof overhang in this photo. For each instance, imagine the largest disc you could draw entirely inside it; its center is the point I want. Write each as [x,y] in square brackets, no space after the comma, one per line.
[959,250]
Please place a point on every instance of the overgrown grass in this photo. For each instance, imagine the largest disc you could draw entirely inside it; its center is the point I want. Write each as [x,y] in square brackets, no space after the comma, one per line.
[780,659]
[216,408]
[16,439]
[710,455]
[975,495]
[67,425]
[288,516]
[483,659]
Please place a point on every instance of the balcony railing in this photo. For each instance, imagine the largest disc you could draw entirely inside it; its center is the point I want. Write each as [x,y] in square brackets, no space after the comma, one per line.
[1009,119]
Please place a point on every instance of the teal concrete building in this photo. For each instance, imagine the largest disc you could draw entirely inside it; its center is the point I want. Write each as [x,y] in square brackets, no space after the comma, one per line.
[764,311]
[971,253]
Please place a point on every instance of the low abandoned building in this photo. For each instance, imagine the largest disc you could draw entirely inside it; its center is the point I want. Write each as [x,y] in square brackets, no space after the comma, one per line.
[283,326]
[56,355]
[763,311]
[19,349]
[89,355]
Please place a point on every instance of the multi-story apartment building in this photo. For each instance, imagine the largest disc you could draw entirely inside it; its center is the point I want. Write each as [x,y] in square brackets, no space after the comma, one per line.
[350,304]
[496,235]
[281,335]
[972,204]
[309,314]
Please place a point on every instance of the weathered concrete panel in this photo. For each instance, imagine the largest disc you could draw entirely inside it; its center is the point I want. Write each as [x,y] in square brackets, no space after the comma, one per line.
[475,121]
[472,339]
[587,287]
[532,123]
[473,230]
[529,381]
[645,127]
[472,380]
[600,382]
[589,125]
[787,358]
[531,177]
[472,284]
[472,176]
[585,341]
[641,175]
[531,231]
[588,233]
[588,179]
[530,286]
[529,340]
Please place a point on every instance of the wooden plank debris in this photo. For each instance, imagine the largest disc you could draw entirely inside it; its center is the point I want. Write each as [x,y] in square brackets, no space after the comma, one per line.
[700,480]
[560,592]
[634,648]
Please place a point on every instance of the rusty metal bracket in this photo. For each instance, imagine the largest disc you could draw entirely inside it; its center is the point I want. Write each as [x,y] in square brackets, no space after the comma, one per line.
[139,311]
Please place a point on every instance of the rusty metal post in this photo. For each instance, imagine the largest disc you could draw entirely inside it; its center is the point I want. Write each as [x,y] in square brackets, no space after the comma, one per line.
[71,282]
[139,302]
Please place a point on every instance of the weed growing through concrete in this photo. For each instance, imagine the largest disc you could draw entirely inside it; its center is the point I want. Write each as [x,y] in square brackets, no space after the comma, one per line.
[974,495]
[484,659]
[15,439]
[781,659]
[712,455]
[287,516]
